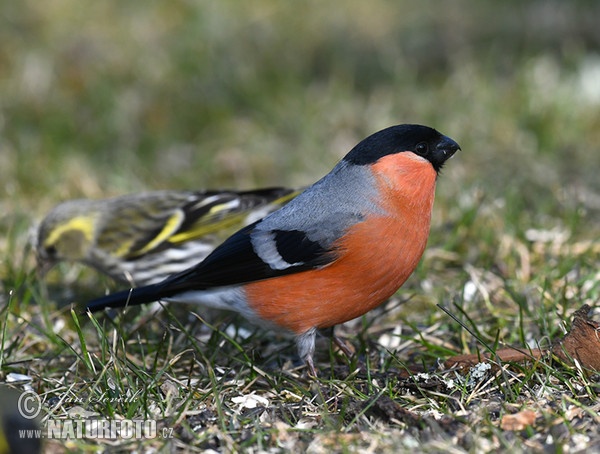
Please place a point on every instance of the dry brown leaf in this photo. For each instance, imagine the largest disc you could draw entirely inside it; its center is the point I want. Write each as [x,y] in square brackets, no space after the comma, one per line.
[581,345]
[518,421]
[502,355]
[582,342]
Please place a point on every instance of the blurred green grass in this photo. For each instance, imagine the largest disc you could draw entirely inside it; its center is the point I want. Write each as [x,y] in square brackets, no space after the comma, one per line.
[120,97]
[112,97]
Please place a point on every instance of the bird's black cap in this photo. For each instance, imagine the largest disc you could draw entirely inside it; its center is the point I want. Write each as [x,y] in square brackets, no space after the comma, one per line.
[421,140]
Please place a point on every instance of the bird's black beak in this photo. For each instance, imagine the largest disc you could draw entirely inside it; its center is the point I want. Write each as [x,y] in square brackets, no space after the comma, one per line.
[444,150]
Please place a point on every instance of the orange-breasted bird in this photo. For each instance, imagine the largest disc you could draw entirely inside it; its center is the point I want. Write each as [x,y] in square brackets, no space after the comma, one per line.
[339,249]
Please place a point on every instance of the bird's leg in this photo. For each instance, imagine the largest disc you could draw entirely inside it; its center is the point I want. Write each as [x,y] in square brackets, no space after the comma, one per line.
[341,344]
[305,343]
[312,371]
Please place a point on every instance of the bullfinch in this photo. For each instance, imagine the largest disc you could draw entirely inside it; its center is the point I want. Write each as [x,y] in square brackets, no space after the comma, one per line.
[339,249]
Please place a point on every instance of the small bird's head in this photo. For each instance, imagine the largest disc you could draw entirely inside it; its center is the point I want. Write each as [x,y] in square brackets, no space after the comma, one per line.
[67,233]
[421,140]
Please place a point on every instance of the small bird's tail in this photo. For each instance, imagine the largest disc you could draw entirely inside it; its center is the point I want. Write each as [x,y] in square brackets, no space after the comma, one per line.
[131,297]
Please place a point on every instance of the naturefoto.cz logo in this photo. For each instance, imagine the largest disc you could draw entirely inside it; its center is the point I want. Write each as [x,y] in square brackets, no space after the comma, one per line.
[30,406]
[104,429]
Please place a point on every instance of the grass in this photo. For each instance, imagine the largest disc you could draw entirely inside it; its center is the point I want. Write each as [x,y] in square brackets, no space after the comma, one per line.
[112,98]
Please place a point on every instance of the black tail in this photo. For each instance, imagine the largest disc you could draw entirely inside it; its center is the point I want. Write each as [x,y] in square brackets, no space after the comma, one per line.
[131,297]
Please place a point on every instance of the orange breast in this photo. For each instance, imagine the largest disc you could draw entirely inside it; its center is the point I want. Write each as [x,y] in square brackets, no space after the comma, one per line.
[376,258]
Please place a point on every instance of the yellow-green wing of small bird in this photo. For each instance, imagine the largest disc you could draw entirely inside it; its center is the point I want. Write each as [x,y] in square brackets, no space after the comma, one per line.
[156,221]
[222,212]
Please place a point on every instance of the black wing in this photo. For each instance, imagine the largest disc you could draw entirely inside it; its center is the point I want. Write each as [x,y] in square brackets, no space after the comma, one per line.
[236,262]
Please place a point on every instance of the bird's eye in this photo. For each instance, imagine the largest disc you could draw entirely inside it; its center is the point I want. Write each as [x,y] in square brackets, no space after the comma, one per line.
[51,251]
[422,148]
